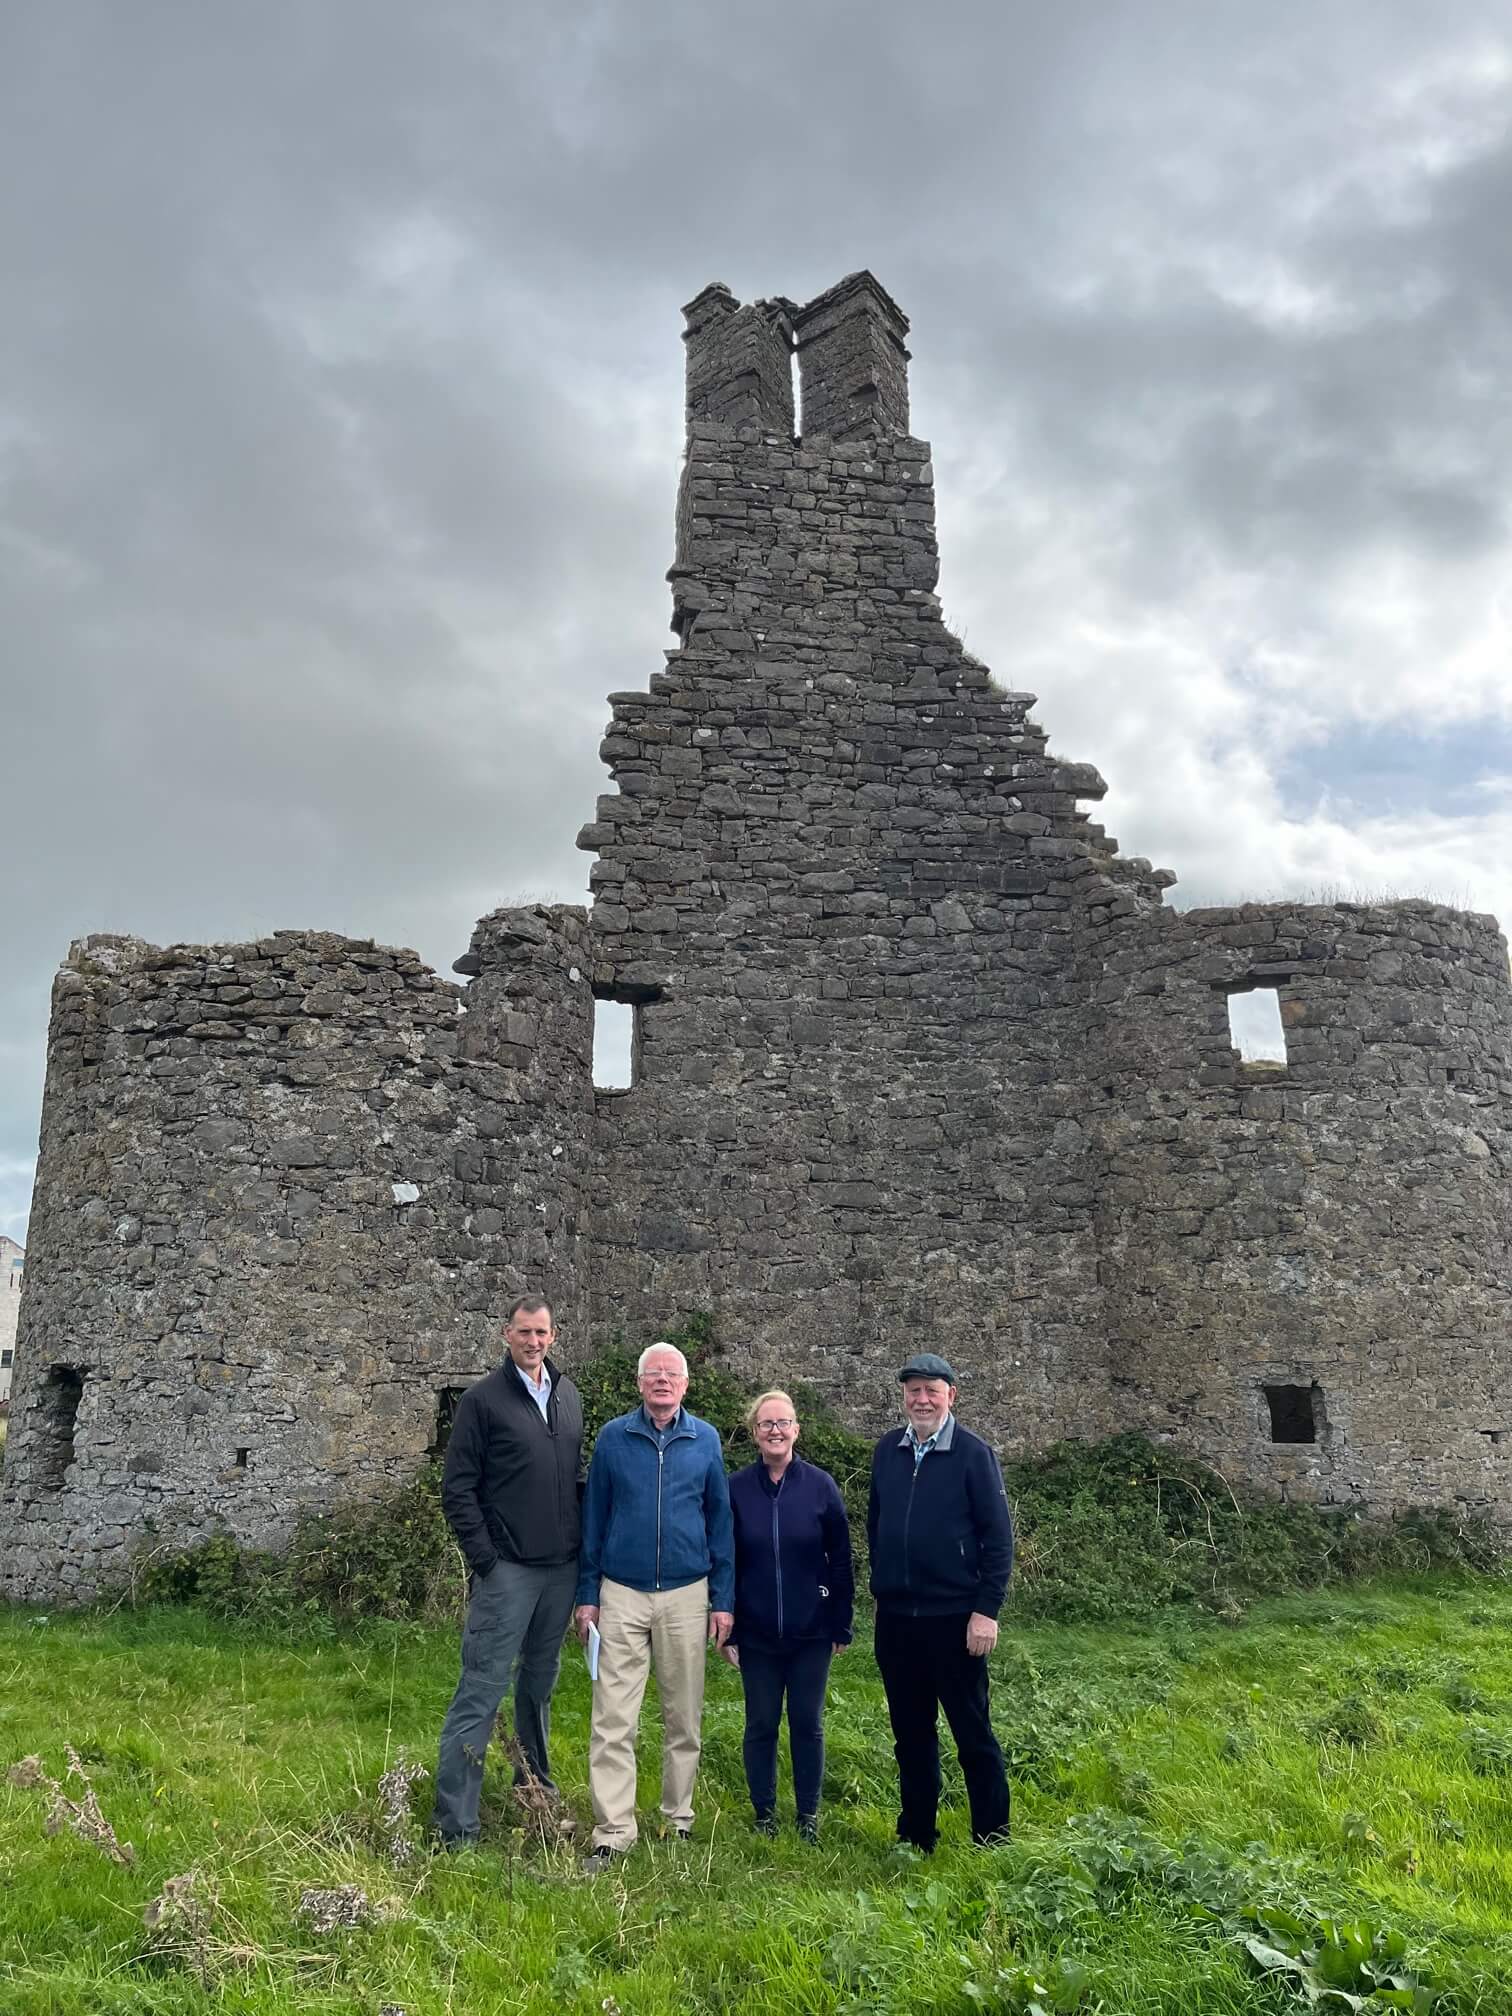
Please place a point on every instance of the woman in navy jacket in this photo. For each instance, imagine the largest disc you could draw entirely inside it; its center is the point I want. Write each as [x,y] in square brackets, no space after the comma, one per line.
[794,1595]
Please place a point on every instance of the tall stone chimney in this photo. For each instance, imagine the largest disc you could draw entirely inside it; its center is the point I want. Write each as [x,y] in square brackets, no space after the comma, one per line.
[740,361]
[852,361]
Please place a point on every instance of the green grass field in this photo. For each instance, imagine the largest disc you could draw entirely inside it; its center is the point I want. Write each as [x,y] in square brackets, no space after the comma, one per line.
[1336,1756]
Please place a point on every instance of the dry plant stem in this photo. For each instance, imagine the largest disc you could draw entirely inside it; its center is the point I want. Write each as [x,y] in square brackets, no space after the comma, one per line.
[394,1789]
[80,1816]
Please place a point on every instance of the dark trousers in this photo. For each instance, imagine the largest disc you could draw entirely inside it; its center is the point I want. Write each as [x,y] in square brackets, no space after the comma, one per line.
[925,1666]
[766,1673]
[516,1621]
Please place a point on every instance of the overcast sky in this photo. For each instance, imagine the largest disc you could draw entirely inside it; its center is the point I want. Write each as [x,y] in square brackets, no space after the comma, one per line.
[340,410]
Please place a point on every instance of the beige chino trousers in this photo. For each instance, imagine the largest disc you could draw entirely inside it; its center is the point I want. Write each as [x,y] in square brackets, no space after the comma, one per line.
[637,1627]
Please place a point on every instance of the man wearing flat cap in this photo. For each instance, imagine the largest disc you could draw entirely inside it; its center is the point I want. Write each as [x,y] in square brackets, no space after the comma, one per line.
[941,1544]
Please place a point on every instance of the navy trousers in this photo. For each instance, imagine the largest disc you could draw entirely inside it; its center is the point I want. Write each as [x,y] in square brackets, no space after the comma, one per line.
[925,1667]
[767,1673]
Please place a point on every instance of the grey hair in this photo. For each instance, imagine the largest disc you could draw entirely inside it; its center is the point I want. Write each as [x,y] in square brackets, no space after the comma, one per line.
[640,1363]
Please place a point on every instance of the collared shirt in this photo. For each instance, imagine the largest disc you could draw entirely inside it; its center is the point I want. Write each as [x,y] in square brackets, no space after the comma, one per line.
[661,1434]
[541,1392]
[941,1439]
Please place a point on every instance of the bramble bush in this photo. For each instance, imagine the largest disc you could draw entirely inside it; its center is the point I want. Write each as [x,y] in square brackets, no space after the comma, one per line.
[1106,1530]
[1122,1528]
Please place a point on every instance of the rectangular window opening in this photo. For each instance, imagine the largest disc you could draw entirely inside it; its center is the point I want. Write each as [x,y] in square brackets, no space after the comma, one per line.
[58,1408]
[614,1045]
[1256,1029]
[446,1413]
[241,1459]
[1294,1412]
[619,1034]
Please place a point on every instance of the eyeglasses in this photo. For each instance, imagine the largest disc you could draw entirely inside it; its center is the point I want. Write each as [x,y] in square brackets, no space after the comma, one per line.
[770,1427]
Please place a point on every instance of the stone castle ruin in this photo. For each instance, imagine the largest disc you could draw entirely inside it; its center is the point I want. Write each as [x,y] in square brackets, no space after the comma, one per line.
[919,1058]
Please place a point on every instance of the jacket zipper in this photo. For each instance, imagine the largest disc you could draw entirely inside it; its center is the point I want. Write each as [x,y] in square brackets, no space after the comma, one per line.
[777,1548]
[913,1484]
[661,1464]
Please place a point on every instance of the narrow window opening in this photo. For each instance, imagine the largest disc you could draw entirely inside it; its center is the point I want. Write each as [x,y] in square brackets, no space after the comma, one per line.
[1495,1436]
[6,1357]
[1293,1413]
[614,1045]
[58,1409]
[241,1459]
[446,1414]
[1256,1029]
[619,1033]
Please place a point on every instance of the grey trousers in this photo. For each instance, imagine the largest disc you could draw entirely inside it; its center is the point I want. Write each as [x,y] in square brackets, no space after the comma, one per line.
[516,1621]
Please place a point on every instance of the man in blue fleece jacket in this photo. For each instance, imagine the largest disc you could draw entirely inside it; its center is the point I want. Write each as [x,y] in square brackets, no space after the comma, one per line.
[941,1542]
[656,1578]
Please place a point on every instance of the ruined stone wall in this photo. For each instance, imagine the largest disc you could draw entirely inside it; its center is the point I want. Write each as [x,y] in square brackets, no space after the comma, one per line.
[286,1191]
[839,882]
[1337,1225]
[920,1061]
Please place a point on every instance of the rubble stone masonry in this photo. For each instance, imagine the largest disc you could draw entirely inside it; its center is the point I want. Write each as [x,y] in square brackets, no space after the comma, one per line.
[919,1059]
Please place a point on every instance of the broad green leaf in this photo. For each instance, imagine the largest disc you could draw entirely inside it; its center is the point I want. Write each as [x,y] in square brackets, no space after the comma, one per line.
[1272,1957]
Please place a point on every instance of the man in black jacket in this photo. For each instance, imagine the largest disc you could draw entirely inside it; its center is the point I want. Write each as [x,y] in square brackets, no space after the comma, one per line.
[941,1544]
[510,1492]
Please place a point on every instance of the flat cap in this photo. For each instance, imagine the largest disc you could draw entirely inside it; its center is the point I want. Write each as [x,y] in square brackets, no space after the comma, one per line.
[928,1365]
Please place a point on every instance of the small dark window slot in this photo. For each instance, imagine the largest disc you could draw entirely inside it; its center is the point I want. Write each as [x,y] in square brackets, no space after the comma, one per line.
[241,1459]
[446,1413]
[58,1412]
[1293,1413]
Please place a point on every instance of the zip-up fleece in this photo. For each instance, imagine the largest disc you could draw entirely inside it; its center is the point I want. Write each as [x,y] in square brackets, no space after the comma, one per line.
[657,1517]
[793,1574]
[510,1487]
[940,1533]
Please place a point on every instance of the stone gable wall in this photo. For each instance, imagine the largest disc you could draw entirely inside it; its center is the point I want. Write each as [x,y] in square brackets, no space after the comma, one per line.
[841,879]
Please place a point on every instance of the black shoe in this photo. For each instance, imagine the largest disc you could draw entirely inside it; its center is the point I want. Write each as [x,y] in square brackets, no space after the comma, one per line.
[766,1823]
[597,1860]
[808,1828]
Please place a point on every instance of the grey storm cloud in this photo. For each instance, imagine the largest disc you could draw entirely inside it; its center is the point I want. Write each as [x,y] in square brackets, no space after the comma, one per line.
[340,411]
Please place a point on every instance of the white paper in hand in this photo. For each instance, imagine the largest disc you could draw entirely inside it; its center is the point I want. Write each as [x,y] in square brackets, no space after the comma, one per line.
[591,1651]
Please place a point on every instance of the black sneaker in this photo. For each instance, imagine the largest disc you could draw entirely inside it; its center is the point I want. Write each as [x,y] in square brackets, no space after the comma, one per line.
[808,1828]
[766,1823]
[597,1860]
